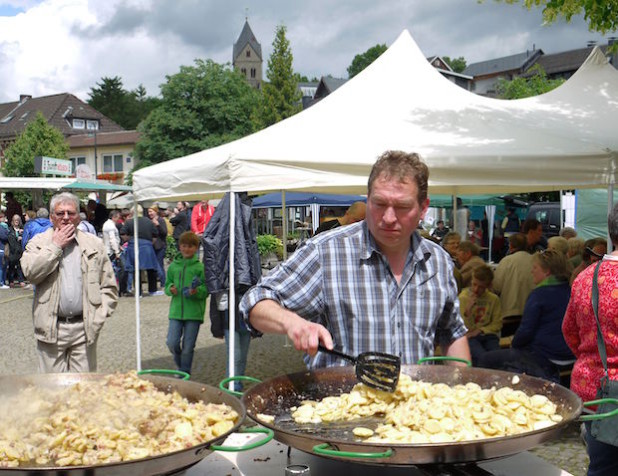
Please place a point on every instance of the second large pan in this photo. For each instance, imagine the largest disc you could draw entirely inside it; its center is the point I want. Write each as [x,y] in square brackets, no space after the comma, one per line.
[277,395]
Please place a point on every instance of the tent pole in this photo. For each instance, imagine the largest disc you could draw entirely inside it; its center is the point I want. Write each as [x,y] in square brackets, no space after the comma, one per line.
[610,197]
[454,227]
[284,232]
[231,302]
[284,226]
[136,285]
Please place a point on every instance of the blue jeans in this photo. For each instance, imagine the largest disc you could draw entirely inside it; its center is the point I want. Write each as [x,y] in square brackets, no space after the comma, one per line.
[603,457]
[242,339]
[161,271]
[181,338]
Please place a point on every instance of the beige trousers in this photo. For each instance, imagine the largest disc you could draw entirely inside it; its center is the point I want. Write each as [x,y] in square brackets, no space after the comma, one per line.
[70,353]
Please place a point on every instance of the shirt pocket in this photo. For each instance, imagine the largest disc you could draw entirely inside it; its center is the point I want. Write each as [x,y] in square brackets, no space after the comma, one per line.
[93,285]
[44,291]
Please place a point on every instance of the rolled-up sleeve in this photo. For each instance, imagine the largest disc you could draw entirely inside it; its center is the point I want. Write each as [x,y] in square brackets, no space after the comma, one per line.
[295,284]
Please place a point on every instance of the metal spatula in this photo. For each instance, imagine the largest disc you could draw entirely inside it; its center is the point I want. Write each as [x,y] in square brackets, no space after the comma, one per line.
[374,369]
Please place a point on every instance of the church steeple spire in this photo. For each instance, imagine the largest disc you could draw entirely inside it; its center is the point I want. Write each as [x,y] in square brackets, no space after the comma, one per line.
[247,55]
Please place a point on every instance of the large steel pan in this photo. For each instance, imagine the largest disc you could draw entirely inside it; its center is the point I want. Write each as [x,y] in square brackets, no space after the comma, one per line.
[170,462]
[277,395]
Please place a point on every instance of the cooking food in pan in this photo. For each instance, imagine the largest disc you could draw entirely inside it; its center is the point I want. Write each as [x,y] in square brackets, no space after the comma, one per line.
[120,417]
[424,412]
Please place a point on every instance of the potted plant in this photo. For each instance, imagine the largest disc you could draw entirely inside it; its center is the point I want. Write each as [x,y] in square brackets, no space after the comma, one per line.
[269,247]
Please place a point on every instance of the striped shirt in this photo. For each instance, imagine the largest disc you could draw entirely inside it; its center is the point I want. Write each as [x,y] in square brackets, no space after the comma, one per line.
[342,281]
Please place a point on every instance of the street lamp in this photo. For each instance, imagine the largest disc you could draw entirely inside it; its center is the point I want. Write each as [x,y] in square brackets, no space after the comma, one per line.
[93,130]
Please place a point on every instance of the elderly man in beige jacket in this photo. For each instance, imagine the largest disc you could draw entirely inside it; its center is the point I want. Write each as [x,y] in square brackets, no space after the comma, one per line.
[75,290]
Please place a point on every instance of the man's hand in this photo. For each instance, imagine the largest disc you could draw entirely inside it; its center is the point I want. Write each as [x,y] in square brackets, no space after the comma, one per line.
[173,289]
[307,335]
[63,236]
[269,316]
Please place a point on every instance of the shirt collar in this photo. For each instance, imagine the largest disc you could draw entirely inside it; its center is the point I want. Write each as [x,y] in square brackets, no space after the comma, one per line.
[419,251]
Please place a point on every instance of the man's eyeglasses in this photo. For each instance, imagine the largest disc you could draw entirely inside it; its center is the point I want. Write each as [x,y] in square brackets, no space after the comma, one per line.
[62,214]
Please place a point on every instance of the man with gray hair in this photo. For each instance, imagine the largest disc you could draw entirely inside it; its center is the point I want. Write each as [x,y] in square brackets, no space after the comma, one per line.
[35,226]
[75,290]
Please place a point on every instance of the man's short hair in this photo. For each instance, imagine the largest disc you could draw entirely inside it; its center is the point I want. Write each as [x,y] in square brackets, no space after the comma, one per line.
[484,274]
[189,238]
[517,241]
[402,166]
[114,214]
[63,197]
[558,243]
[469,246]
[530,224]
[451,236]
[576,246]
[568,232]
[42,213]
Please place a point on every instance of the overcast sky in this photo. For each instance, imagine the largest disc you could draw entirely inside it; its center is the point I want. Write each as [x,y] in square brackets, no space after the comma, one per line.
[55,46]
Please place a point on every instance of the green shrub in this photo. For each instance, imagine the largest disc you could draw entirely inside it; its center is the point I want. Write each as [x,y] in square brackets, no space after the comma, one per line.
[269,244]
[171,252]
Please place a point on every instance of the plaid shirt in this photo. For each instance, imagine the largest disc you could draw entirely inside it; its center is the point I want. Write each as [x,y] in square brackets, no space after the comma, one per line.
[342,281]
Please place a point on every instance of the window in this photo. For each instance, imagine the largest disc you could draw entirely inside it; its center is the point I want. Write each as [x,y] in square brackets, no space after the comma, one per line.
[75,161]
[92,125]
[7,119]
[112,163]
[243,71]
[248,53]
[79,123]
[253,72]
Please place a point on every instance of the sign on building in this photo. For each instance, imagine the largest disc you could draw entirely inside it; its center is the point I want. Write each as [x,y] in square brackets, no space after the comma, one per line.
[52,166]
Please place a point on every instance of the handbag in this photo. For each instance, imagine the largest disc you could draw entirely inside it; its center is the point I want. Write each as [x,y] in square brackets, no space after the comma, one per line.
[604,430]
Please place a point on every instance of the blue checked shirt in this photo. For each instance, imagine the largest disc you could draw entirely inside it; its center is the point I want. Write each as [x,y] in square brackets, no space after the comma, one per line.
[341,280]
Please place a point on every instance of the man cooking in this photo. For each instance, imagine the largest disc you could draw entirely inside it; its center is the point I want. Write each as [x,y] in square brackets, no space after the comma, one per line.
[75,290]
[375,285]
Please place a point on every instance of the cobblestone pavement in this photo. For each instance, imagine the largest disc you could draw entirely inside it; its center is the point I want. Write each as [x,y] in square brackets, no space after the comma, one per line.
[268,357]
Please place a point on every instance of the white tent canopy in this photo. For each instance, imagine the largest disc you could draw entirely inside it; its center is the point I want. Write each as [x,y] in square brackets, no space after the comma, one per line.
[472,144]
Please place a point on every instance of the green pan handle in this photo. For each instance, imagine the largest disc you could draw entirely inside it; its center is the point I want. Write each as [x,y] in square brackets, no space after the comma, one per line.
[600,416]
[322,450]
[224,382]
[175,373]
[269,436]
[444,358]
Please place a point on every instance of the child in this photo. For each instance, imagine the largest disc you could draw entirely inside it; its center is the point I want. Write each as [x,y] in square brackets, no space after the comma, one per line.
[186,285]
[481,312]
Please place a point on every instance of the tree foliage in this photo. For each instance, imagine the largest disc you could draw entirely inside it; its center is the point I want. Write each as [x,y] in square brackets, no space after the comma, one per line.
[126,108]
[202,106]
[601,15]
[38,138]
[522,87]
[361,61]
[281,97]
[456,64]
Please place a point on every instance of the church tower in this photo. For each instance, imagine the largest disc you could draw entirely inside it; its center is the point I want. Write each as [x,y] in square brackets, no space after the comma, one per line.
[247,56]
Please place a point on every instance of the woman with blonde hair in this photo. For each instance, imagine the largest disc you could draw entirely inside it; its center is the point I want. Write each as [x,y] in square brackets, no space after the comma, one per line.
[538,347]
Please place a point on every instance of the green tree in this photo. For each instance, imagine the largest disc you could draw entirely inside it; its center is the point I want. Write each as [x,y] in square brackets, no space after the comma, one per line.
[522,87]
[126,108]
[39,138]
[281,97]
[361,61]
[456,64]
[601,15]
[202,106]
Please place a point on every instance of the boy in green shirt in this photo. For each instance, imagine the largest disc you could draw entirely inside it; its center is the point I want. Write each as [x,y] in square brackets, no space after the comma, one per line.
[480,309]
[186,284]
